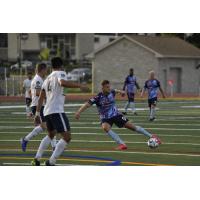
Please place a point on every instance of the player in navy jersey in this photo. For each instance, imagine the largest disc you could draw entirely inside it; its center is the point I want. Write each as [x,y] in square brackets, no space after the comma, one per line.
[109,114]
[152,85]
[130,84]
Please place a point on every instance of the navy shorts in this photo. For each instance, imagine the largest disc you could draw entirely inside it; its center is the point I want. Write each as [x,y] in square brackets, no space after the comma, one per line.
[131,96]
[33,110]
[28,101]
[118,120]
[58,122]
[152,101]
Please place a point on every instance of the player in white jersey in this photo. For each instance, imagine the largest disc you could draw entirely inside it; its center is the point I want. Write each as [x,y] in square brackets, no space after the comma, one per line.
[26,89]
[55,117]
[36,86]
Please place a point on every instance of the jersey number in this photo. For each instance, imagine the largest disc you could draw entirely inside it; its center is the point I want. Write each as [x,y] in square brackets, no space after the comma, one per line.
[49,88]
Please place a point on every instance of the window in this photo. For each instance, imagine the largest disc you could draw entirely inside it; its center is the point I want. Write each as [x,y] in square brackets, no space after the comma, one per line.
[111,39]
[3,40]
[97,39]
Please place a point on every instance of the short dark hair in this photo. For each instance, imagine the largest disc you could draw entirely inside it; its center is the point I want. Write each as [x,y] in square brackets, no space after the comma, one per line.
[56,62]
[131,69]
[105,82]
[41,66]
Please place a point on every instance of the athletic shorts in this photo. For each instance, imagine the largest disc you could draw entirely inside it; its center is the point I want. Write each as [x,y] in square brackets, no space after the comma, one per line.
[152,101]
[28,101]
[33,110]
[118,120]
[131,97]
[58,122]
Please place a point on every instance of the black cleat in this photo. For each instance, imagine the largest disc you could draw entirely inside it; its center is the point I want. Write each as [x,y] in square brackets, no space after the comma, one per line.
[152,119]
[35,162]
[47,163]
[135,113]
[124,113]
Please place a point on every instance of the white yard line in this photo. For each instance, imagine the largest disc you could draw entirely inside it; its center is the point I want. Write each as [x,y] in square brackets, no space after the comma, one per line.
[111,141]
[112,151]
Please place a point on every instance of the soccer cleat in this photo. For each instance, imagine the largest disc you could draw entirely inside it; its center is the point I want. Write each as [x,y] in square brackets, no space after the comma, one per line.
[35,162]
[124,113]
[157,138]
[47,163]
[135,113]
[121,147]
[152,119]
[23,144]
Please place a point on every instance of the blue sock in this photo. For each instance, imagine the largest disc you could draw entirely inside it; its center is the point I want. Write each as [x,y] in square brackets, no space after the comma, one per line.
[115,137]
[143,131]
[126,106]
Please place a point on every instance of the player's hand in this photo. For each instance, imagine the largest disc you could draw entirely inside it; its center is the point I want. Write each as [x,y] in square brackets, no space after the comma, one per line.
[123,93]
[37,120]
[77,115]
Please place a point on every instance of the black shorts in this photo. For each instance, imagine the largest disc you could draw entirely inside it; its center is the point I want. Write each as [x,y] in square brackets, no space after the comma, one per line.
[28,101]
[118,120]
[131,97]
[152,101]
[58,122]
[33,109]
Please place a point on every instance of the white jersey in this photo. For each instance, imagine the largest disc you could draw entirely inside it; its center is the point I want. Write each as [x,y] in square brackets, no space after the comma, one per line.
[35,84]
[27,87]
[55,98]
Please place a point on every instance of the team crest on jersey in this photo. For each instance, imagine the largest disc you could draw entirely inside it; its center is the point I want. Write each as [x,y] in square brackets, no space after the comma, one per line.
[62,75]
[38,83]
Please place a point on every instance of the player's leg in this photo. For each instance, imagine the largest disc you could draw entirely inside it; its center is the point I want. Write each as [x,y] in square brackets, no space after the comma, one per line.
[28,110]
[126,105]
[153,109]
[141,130]
[132,103]
[62,126]
[37,130]
[46,141]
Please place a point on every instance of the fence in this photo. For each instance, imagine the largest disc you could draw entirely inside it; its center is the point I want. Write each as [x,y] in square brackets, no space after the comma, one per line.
[10,85]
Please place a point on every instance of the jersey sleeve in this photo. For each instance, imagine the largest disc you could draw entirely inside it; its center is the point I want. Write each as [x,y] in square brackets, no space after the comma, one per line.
[113,92]
[158,83]
[62,76]
[94,100]
[145,85]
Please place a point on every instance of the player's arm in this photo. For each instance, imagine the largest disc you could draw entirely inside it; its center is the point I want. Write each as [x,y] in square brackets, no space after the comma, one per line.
[125,83]
[82,109]
[121,92]
[137,85]
[37,93]
[162,92]
[71,84]
[143,91]
[41,99]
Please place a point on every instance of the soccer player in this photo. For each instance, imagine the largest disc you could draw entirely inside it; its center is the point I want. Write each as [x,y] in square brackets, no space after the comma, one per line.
[109,114]
[55,117]
[26,88]
[130,84]
[152,85]
[36,85]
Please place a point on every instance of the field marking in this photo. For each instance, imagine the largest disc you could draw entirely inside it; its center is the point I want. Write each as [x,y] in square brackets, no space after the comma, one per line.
[111,141]
[83,160]
[89,127]
[103,134]
[111,151]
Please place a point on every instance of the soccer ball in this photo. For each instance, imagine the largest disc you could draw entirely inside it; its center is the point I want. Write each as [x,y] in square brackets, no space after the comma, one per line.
[152,143]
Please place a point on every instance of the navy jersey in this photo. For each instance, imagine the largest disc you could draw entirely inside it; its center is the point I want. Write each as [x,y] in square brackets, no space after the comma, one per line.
[152,86]
[105,105]
[130,84]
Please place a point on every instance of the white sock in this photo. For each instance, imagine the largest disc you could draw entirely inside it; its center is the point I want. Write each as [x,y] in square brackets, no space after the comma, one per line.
[132,106]
[43,146]
[37,130]
[126,106]
[60,147]
[27,109]
[143,131]
[53,142]
[152,113]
